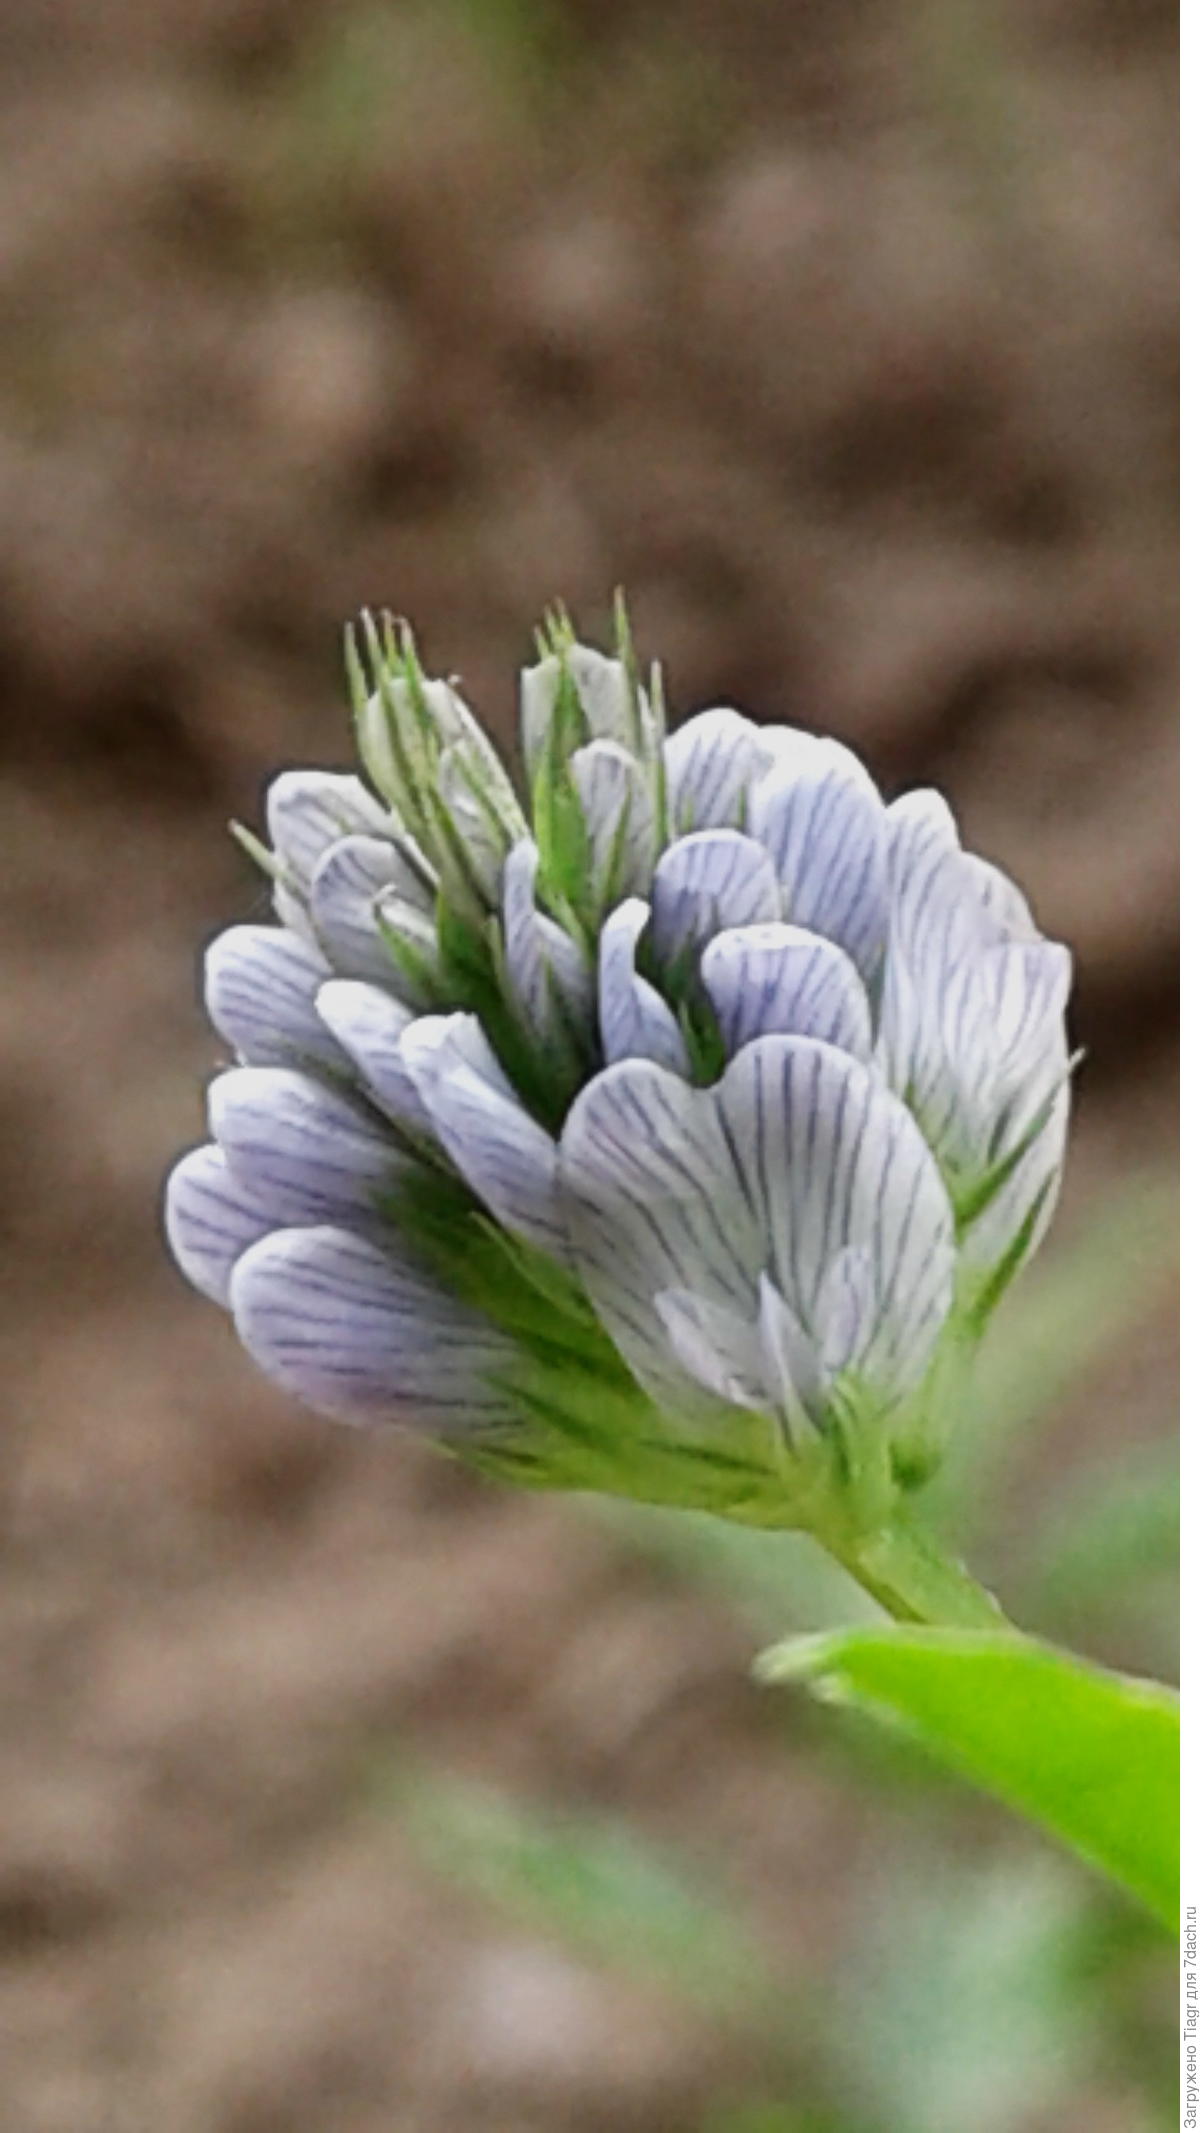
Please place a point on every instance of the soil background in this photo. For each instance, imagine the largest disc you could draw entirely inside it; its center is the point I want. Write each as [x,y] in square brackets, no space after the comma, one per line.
[840,335]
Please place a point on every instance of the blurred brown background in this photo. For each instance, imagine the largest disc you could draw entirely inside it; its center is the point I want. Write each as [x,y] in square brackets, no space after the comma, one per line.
[842,335]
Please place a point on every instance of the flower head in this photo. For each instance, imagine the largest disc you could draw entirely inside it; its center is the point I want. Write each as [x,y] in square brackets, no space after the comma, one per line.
[669,1131]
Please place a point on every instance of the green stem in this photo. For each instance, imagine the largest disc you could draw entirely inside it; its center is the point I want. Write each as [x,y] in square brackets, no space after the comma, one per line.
[905,1570]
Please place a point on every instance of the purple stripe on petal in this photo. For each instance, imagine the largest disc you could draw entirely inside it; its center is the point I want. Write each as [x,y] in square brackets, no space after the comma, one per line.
[781,979]
[616,803]
[260,985]
[308,810]
[635,1021]
[705,883]
[831,1161]
[309,1154]
[823,823]
[368,1024]
[504,1156]
[350,878]
[359,1333]
[712,761]
[211,1218]
[544,964]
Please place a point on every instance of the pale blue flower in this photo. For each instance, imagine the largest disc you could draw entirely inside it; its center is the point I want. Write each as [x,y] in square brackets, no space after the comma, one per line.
[665,1133]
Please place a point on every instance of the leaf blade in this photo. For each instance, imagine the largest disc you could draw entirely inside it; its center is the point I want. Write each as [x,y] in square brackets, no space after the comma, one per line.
[1090,1755]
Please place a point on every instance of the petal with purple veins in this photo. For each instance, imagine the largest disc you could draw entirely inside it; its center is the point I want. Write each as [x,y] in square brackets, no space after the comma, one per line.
[818,814]
[770,979]
[705,883]
[308,810]
[346,887]
[260,986]
[211,1218]
[507,1159]
[620,820]
[547,969]
[368,1024]
[829,1159]
[635,1021]
[653,1204]
[360,1333]
[306,1152]
[711,762]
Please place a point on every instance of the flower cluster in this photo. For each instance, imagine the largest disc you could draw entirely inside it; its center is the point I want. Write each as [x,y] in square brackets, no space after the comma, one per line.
[672,1130]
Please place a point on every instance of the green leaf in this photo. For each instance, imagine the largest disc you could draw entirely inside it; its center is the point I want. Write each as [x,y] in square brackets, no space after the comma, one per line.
[1092,1756]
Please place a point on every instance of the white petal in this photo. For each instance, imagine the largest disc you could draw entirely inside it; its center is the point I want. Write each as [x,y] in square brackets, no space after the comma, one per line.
[712,761]
[548,971]
[539,691]
[777,978]
[308,810]
[1029,984]
[716,1347]
[346,887]
[211,1219]
[822,821]
[604,692]
[616,802]
[484,810]
[829,1159]
[260,986]
[972,1034]
[705,883]
[797,1156]
[507,1159]
[635,1021]
[359,1333]
[1033,1185]
[308,1154]
[941,904]
[1000,899]
[846,1309]
[368,1025]
[610,709]
[936,1020]
[653,1204]
[791,1364]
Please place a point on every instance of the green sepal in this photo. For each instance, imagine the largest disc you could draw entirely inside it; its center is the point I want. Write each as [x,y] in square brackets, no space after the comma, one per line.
[262,855]
[459,881]
[922,1426]
[646,722]
[970,1201]
[425,984]
[413,755]
[702,1036]
[982,1298]
[560,825]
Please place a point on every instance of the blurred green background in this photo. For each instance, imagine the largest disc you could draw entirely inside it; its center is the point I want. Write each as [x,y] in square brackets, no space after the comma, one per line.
[338,1791]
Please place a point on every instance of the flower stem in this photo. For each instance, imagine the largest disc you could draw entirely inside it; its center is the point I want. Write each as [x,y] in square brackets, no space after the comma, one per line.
[905,1570]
